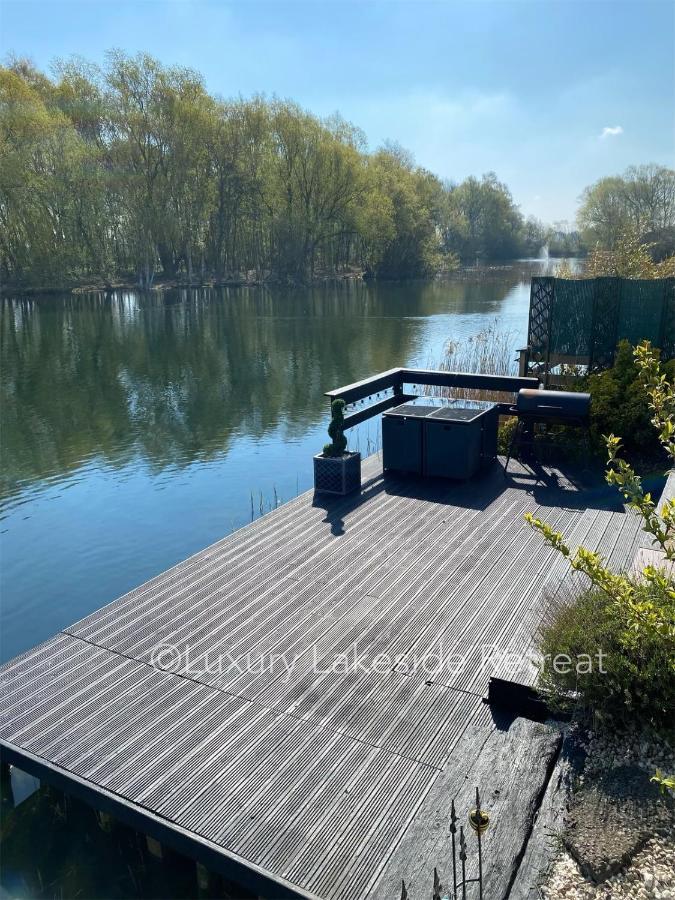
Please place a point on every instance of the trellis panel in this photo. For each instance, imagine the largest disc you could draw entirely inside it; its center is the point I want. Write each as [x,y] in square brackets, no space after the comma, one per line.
[580,321]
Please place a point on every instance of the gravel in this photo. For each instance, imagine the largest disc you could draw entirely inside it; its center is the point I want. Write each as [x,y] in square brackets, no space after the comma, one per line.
[650,875]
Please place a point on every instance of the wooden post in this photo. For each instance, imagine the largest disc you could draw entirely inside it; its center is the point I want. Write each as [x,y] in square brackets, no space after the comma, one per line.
[205,886]
[6,792]
[105,821]
[154,847]
[523,360]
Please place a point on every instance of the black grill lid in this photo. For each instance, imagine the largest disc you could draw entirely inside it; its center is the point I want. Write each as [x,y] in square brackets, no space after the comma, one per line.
[557,404]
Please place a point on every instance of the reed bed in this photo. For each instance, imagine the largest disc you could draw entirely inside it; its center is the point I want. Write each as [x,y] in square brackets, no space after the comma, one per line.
[490,352]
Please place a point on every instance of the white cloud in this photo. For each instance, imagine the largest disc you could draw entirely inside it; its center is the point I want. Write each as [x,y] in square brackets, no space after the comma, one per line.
[611,131]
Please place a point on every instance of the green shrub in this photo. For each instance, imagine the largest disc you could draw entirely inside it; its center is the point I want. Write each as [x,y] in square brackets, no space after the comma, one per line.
[633,679]
[618,407]
[631,618]
[507,426]
[336,430]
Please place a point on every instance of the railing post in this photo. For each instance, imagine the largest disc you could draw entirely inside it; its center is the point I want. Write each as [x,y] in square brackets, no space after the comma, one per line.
[523,361]
[453,832]
[6,792]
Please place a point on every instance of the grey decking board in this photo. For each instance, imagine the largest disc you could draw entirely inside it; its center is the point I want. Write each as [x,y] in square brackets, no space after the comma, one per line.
[255,540]
[259,881]
[401,713]
[157,617]
[510,764]
[297,604]
[205,597]
[488,624]
[253,535]
[408,561]
[265,794]
[440,613]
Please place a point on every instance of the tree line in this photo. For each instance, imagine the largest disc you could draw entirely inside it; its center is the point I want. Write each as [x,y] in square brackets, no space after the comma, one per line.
[638,206]
[133,171]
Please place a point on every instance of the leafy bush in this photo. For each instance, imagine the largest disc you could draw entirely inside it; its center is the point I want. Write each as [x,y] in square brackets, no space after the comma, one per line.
[634,617]
[618,406]
[505,434]
[632,257]
[631,679]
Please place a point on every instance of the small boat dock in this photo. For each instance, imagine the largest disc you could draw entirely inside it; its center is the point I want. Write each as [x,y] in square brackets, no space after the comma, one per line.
[296,705]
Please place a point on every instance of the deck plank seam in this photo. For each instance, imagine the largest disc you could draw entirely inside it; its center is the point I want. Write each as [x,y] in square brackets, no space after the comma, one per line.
[277,710]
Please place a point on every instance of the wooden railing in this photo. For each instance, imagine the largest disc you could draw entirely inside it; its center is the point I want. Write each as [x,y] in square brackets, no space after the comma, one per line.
[395,379]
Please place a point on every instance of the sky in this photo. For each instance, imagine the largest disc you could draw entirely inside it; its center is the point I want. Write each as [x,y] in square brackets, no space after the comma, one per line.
[549,94]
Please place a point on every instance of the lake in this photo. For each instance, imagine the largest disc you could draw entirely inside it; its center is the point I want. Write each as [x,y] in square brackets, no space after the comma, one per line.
[139,428]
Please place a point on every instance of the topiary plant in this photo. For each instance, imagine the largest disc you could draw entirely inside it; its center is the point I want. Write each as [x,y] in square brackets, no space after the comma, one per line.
[336,430]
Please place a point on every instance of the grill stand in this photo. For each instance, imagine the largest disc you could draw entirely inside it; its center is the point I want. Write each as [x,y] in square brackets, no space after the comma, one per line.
[522,445]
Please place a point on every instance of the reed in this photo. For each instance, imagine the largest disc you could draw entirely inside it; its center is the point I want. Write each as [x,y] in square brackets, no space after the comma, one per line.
[491,351]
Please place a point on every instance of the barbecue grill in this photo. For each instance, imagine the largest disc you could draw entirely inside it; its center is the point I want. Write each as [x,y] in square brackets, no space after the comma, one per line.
[546,408]
[558,406]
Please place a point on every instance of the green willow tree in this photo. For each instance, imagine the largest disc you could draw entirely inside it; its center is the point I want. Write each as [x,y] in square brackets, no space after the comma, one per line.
[133,171]
[640,202]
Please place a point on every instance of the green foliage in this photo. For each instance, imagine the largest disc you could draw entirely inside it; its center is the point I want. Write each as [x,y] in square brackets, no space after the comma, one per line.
[505,434]
[484,223]
[639,614]
[661,395]
[563,241]
[618,405]
[134,169]
[632,679]
[533,235]
[641,201]
[401,225]
[631,256]
[338,443]
[665,782]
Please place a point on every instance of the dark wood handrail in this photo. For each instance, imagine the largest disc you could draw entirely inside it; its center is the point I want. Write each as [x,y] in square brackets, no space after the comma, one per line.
[396,378]
[510,384]
[350,393]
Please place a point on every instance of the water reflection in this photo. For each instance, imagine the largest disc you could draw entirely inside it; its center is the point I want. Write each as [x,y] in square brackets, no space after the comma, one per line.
[139,428]
[175,376]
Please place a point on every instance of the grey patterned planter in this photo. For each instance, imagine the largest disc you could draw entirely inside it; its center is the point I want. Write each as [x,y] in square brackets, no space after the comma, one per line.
[337,474]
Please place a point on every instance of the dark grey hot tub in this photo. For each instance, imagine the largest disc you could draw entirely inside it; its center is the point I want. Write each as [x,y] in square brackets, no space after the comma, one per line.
[450,441]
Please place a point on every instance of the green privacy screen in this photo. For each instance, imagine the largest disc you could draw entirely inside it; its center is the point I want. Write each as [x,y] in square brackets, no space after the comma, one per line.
[579,322]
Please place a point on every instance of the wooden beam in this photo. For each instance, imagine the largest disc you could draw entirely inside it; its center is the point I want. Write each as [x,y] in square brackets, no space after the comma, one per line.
[361,389]
[396,377]
[377,408]
[508,383]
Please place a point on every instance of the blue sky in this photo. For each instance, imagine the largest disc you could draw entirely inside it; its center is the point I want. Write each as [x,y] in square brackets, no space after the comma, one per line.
[550,95]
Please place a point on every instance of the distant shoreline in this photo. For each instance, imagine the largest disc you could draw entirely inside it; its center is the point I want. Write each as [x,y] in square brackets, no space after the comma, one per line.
[485,270]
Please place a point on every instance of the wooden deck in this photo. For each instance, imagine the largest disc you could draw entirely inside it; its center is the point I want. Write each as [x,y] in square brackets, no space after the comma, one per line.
[326,780]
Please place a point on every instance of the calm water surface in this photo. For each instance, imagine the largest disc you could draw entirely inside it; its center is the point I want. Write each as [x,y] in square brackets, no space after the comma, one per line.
[139,428]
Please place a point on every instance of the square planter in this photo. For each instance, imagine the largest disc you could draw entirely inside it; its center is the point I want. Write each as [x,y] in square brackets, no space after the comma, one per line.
[337,474]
